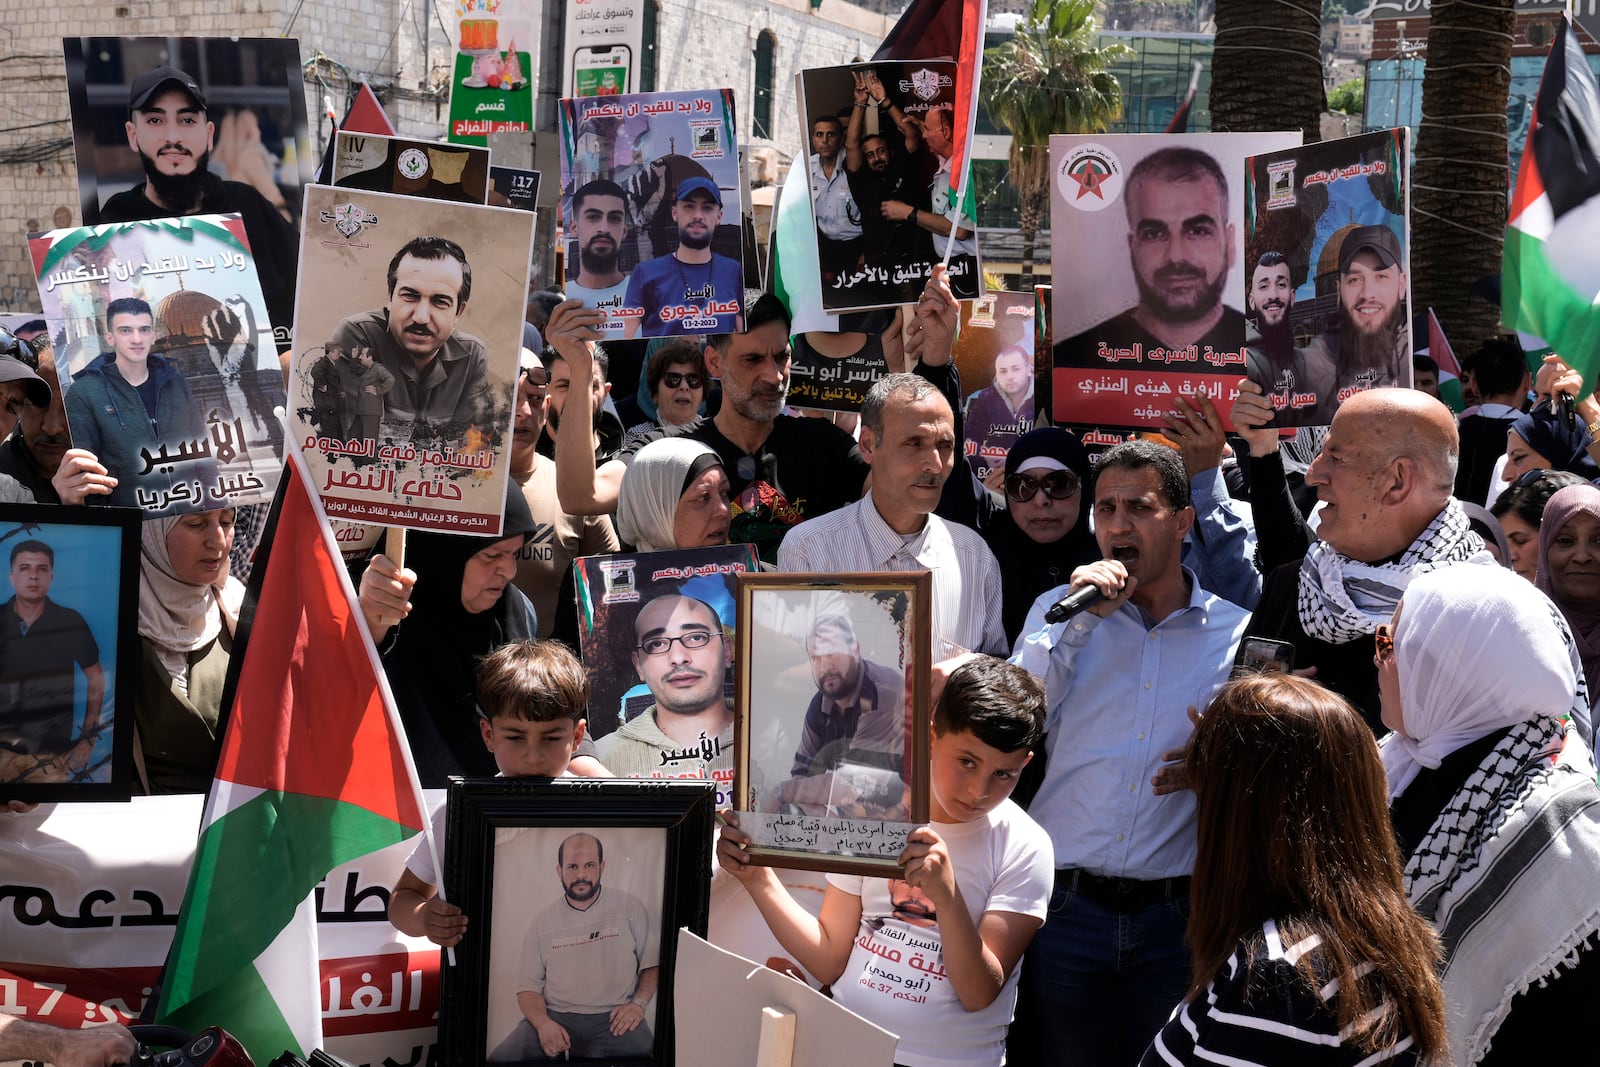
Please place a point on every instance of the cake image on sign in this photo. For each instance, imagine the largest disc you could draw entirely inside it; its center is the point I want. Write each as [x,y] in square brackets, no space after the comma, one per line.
[413,163]
[1090,177]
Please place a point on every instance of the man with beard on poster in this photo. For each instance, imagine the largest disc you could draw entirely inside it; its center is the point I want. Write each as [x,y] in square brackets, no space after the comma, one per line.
[599,225]
[1283,371]
[1372,347]
[1181,246]
[167,126]
[691,289]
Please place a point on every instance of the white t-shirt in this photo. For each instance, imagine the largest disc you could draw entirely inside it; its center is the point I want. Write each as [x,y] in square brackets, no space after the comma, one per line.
[421,862]
[896,975]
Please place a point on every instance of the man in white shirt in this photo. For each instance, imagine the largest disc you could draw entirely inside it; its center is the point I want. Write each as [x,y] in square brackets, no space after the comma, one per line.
[838,218]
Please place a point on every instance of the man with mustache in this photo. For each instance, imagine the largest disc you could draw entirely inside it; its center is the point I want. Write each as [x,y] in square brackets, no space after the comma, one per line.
[599,226]
[1373,338]
[441,374]
[690,289]
[680,652]
[1181,245]
[1293,379]
[32,453]
[589,968]
[908,437]
[882,172]
[169,129]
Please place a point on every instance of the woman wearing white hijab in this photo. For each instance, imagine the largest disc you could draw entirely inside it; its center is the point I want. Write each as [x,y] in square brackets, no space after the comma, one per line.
[188,605]
[1494,803]
[675,495]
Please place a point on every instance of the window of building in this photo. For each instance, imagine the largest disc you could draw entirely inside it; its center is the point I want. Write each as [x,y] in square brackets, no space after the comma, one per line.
[761,117]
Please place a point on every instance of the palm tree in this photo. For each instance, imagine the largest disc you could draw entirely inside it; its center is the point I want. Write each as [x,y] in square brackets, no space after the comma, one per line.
[1048,78]
[1266,73]
[1458,190]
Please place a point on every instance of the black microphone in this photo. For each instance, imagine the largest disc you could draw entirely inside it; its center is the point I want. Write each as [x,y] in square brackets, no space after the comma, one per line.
[1072,603]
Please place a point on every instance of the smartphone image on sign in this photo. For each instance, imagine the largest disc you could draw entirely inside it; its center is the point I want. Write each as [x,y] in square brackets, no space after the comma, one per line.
[601,70]
[1261,655]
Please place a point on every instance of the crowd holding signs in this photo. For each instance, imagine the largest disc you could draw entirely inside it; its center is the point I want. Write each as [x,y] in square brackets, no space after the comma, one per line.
[345,352]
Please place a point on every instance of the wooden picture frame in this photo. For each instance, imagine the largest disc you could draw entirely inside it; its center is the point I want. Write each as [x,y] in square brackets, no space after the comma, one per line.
[84,565]
[815,791]
[534,913]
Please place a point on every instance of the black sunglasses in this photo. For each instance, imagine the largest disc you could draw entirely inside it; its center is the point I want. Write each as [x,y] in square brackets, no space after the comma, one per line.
[18,349]
[1057,485]
[672,379]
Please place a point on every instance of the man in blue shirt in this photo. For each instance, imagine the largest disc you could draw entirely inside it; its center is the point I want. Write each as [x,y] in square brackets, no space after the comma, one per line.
[1110,963]
[690,289]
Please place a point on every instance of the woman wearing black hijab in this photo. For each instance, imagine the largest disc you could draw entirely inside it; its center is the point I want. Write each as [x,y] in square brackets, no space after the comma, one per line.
[434,622]
[1044,533]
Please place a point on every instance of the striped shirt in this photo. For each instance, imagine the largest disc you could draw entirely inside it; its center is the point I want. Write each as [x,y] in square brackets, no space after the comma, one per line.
[966,577]
[1259,1010]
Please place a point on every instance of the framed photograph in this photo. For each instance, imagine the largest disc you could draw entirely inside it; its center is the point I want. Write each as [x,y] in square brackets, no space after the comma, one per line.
[69,651]
[576,889]
[831,746]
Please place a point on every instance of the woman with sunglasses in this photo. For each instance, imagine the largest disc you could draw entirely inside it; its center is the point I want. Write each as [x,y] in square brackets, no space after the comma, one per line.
[1494,803]
[672,390]
[1043,535]
[1520,510]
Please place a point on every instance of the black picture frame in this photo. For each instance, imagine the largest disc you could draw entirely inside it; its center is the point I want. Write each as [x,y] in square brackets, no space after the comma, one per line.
[483,815]
[97,550]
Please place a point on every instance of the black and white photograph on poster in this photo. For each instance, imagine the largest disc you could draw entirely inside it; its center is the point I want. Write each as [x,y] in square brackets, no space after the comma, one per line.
[429,169]
[651,204]
[69,651]
[880,141]
[1146,235]
[401,390]
[166,359]
[165,126]
[577,889]
[657,636]
[832,758]
[1328,298]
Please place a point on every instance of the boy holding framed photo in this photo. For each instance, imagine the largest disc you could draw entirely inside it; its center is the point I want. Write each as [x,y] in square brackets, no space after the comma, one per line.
[904,953]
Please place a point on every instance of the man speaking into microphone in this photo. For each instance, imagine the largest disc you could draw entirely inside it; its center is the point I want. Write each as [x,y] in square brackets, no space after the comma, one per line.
[1120,675]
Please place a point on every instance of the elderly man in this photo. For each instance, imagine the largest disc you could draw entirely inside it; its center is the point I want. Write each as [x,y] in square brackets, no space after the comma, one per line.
[1109,964]
[1180,243]
[589,968]
[1384,478]
[35,425]
[441,374]
[908,437]
[680,652]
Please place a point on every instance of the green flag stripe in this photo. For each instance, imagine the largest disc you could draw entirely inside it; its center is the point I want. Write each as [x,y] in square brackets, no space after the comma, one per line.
[1540,301]
[244,1006]
[252,868]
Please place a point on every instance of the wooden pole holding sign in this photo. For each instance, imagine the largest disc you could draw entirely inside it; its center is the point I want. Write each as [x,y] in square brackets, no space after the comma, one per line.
[776,1046]
[394,546]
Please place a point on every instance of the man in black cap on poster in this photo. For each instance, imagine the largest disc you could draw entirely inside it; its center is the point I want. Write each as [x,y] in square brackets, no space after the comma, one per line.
[690,289]
[1372,348]
[168,127]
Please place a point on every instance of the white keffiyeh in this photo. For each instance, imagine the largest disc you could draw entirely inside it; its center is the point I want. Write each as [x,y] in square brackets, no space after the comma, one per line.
[1341,599]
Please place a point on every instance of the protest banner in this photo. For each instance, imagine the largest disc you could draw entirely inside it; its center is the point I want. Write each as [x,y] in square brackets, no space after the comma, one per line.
[151,117]
[405,410]
[994,353]
[1328,294]
[834,371]
[433,171]
[1151,224]
[174,303]
[880,205]
[491,90]
[644,184]
[514,187]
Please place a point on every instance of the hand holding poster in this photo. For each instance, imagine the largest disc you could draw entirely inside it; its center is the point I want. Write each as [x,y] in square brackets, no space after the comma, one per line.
[167,359]
[402,387]
[644,184]
[1329,285]
[1151,224]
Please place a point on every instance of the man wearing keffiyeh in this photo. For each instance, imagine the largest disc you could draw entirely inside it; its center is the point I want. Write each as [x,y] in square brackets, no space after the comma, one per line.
[1384,478]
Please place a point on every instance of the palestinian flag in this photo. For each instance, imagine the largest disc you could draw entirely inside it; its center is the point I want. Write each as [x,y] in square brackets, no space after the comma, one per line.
[1551,264]
[314,772]
[796,272]
[948,29]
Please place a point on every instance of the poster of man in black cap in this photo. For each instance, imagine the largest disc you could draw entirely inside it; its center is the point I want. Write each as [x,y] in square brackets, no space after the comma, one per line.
[165,127]
[1329,285]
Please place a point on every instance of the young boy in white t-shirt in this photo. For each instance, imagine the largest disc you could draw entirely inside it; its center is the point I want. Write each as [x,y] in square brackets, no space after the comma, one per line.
[531,701]
[933,956]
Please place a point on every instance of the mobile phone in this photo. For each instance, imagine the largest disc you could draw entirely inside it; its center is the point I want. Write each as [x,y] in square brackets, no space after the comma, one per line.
[601,70]
[1263,655]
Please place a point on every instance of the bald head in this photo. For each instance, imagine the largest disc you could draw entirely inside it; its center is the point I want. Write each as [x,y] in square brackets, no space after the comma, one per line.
[1416,426]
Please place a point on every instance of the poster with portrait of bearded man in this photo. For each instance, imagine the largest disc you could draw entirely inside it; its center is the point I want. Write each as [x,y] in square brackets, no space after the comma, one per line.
[1146,245]
[1327,248]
